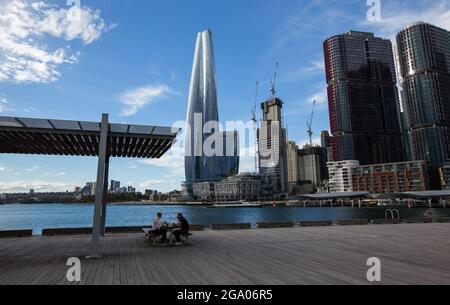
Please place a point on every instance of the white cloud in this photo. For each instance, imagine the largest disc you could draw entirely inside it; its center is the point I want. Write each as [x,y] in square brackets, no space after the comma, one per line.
[151,183]
[40,5]
[305,19]
[321,97]
[4,169]
[131,166]
[174,163]
[313,67]
[32,169]
[24,55]
[37,185]
[138,98]
[4,105]
[58,174]
[398,14]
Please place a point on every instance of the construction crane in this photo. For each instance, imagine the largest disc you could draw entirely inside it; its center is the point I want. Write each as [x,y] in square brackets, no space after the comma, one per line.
[272,83]
[309,124]
[255,128]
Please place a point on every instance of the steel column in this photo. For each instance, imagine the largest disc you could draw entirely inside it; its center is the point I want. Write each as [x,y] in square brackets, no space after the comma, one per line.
[99,190]
[105,198]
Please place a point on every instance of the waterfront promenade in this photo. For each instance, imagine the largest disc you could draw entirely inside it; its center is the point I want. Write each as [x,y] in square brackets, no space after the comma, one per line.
[409,253]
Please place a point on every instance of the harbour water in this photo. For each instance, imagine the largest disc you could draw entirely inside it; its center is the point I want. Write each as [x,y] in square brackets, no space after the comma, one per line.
[40,216]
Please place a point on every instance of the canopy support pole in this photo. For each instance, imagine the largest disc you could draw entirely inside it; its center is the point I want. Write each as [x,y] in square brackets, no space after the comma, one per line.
[100,188]
[104,199]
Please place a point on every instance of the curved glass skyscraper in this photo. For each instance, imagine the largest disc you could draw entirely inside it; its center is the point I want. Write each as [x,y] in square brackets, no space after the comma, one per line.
[203,114]
[424,60]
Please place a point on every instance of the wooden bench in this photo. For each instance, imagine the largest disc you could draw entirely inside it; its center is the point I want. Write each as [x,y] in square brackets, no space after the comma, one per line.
[185,238]
[232,226]
[274,225]
[352,222]
[383,221]
[418,220]
[319,223]
[154,239]
[88,231]
[66,231]
[123,230]
[441,219]
[196,228]
[15,233]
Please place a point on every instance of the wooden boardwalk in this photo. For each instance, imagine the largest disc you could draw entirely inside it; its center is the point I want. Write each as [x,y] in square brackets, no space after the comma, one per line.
[410,254]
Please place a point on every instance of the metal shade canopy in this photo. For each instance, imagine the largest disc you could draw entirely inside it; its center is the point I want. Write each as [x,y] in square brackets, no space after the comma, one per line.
[330,196]
[77,138]
[31,136]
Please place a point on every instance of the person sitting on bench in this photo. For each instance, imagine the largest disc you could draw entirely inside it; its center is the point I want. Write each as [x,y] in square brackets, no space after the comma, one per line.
[158,229]
[183,230]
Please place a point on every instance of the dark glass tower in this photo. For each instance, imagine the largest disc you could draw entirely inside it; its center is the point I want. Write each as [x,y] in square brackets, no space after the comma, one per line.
[424,59]
[363,98]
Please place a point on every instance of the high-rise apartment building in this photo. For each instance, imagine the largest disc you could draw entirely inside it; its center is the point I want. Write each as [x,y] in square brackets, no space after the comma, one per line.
[363,98]
[312,165]
[325,140]
[292,162]
[424,60]
[115,186]
[341,175]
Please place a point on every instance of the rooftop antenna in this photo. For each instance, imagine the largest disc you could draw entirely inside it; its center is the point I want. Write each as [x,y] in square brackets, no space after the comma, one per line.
[309,124]
[255,123]
[272,83]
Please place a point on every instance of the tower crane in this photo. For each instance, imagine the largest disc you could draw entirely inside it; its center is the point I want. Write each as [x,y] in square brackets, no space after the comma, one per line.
[272,83]
[309,124]
[255,129]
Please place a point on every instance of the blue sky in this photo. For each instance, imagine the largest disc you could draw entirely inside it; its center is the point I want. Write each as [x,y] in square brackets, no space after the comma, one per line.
[133,58]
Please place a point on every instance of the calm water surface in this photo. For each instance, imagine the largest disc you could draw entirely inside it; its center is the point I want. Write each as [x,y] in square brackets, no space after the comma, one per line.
[40,216]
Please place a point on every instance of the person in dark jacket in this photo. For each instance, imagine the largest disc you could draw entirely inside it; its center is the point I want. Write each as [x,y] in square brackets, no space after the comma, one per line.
[183,230]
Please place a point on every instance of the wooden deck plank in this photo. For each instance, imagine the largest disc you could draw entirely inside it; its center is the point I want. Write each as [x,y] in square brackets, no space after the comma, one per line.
[410,254]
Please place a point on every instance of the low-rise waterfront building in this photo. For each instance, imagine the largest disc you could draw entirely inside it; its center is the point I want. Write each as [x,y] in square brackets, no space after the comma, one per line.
[203,190]
[445,175]
[413,176]
[88,189]
[246,186]
[340,175]
[241,187]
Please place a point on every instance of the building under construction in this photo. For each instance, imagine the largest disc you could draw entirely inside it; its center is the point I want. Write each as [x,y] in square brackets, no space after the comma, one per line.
[272,146]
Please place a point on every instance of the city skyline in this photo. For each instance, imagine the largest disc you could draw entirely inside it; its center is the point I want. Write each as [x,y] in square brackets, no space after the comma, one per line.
[157,91]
